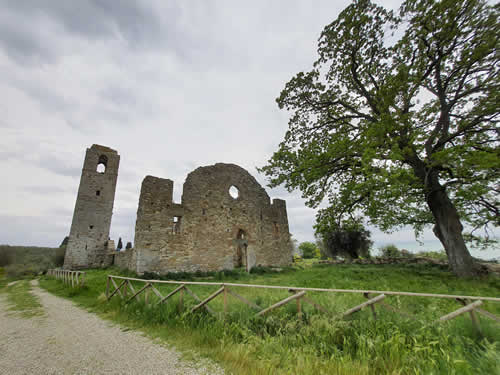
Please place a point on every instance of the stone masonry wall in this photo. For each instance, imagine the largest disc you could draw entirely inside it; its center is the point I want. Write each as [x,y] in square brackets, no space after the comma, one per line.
[125,259]
[210,230]
[87,244]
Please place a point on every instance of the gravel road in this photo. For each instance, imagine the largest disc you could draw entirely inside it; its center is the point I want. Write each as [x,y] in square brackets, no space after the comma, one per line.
[69,340]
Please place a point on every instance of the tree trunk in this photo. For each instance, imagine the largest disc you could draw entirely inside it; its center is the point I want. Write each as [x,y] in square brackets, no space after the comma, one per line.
[448,229]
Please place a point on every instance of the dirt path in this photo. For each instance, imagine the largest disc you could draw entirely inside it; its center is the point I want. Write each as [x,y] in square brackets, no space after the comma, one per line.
[69,340]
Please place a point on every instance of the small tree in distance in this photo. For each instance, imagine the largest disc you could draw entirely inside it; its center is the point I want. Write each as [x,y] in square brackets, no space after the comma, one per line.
[308,250]
[128,246]
[120,244]
[350,240]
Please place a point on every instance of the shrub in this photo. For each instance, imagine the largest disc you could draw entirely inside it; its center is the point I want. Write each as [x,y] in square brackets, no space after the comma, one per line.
[349,240]
[308,250]
[261,270]
[390,251]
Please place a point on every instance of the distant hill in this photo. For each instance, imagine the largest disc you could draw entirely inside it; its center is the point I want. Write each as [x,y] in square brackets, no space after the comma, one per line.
[21,261]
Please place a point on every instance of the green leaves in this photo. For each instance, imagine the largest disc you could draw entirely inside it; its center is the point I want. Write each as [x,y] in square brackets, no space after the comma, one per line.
[377,116]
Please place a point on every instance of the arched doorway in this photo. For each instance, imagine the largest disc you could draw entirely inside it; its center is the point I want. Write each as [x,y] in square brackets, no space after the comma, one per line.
[240,259]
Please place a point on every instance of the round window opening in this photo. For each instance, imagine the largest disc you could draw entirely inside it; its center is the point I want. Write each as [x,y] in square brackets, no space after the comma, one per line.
[101,168]
[234,192]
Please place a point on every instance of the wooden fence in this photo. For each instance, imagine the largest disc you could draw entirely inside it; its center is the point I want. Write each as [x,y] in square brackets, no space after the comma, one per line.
[121,286]
[73,278]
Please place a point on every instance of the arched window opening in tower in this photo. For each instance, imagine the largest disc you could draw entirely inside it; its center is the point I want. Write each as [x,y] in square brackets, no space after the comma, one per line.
[102,164]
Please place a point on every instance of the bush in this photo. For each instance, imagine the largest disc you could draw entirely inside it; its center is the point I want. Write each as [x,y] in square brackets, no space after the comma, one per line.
[308,250]
[390,251]
[350,240]
[259,270]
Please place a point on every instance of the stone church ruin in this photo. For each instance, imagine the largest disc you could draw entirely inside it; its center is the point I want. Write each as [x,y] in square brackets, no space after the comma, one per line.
[225,220]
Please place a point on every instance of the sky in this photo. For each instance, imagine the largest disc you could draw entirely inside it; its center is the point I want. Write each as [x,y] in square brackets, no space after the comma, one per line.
[170,85]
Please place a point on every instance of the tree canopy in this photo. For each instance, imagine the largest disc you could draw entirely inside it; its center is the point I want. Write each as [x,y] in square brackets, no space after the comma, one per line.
[398,120]
[308,250]
[349,240]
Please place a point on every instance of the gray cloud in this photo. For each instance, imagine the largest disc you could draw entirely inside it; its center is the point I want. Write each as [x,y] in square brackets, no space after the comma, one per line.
[47,97]
[59,165]
[140,25]
[42,190]
[22,44]
[170,85]
[43,231]
[94,19]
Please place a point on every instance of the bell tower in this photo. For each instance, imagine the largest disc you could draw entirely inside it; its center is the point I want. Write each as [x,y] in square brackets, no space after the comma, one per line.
[89,234]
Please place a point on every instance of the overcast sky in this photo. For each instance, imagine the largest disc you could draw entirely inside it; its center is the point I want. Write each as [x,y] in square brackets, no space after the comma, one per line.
[170,85]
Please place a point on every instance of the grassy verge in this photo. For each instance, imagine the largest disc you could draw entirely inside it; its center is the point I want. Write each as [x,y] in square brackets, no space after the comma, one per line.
[22,301]
[321,344]
[3,280]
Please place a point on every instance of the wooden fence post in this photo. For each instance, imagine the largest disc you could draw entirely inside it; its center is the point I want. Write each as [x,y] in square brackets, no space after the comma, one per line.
[181,296]
[207,300]
[146,295]
[372,306]
[225,301]
[281,303]
[367,303]
[460,311]
[107,288]
[472,315]
[299,309]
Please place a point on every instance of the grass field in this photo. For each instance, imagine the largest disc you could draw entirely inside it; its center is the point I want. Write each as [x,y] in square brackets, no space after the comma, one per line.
[319,343]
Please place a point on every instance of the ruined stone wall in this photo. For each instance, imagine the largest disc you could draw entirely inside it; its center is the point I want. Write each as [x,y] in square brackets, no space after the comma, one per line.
[125,259]
[155,229]
[87,244]
[210,230]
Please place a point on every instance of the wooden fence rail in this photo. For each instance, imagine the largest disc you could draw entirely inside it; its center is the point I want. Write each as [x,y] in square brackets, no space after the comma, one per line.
[470,303]
[73,278]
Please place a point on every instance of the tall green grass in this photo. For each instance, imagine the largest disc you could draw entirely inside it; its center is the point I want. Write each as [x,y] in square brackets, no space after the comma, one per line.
[280,343]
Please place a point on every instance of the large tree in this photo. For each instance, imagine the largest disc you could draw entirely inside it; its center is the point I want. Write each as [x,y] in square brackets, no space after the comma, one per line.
[398,120]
